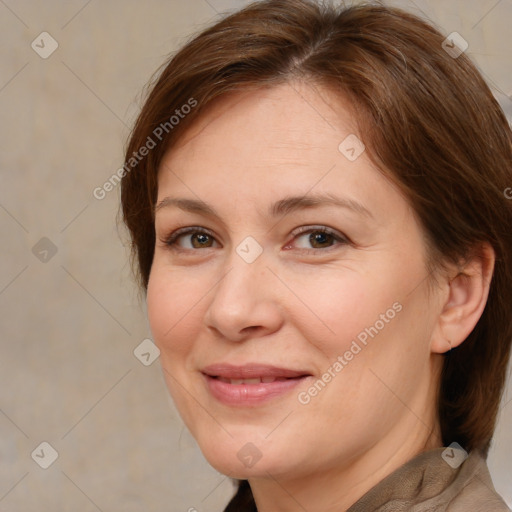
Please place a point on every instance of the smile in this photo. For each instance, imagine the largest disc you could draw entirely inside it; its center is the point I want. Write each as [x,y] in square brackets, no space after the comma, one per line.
[251,384]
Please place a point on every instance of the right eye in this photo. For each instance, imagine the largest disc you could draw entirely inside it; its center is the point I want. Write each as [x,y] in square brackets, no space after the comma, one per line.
[190,238]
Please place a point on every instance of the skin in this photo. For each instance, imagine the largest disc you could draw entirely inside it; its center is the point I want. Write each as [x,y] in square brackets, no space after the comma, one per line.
[301,303]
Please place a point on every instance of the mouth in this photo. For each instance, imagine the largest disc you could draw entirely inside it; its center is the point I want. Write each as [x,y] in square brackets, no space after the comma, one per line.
[256,380]
[251,384]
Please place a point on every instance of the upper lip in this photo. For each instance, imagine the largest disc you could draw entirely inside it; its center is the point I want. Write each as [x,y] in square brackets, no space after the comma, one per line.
[250,370]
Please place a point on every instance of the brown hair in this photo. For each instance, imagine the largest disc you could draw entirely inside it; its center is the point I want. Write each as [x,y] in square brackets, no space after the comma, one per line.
[428,120]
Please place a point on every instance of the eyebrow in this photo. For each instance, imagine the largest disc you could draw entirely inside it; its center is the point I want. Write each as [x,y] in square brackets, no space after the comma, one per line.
[282,207]
[292,204]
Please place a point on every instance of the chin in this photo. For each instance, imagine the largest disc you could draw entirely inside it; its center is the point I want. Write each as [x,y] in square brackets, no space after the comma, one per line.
[242,457]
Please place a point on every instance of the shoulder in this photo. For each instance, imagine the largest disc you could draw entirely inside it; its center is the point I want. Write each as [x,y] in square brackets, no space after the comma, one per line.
[440,480]
[477,493]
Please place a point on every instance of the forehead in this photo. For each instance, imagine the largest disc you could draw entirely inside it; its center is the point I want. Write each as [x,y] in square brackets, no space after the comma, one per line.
[291,124]
[262,145]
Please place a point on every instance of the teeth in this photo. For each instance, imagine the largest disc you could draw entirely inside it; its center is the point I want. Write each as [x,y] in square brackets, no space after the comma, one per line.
[255,380]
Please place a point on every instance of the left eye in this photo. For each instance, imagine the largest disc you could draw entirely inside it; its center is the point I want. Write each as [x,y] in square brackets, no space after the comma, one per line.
[318,239]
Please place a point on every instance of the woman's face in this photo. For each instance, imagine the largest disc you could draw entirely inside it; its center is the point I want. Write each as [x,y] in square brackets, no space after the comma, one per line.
[289,293]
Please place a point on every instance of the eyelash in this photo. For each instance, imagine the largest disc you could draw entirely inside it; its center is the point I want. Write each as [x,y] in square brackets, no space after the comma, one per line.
[171,240]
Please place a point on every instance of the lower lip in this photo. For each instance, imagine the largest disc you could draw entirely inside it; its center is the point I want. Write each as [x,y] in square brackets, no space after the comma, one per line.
[250,394]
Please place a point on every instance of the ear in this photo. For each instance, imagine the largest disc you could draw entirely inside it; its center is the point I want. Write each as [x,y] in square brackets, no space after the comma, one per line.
[467,292]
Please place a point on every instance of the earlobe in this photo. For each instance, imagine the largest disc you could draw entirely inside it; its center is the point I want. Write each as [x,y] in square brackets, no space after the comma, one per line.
[467,295]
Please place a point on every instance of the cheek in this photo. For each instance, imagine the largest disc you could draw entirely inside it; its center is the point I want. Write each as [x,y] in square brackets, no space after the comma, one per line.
[174,314]
[174,311]
[334,308]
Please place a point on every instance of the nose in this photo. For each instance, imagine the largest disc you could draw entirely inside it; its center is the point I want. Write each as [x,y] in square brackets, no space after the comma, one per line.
[244,304]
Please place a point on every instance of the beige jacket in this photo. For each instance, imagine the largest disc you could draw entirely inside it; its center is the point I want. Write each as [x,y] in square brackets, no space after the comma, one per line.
[429,483]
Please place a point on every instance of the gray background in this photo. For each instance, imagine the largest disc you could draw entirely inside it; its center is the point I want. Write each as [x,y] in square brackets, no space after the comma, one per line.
[71,320]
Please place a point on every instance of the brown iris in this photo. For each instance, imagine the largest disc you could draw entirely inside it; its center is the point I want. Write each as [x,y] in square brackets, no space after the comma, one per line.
[319,240]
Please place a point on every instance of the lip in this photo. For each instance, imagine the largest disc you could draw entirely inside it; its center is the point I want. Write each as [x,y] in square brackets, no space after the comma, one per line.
[250,394]
[251,370]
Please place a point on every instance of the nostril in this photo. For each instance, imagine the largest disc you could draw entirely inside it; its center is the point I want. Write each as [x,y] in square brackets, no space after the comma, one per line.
[251,328]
